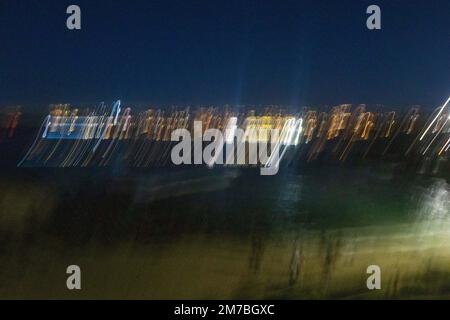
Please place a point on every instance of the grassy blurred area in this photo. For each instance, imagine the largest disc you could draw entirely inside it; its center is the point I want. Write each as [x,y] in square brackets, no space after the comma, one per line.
[314,265]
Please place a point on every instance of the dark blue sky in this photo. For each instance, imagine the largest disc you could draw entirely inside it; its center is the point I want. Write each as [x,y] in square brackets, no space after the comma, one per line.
[217,52]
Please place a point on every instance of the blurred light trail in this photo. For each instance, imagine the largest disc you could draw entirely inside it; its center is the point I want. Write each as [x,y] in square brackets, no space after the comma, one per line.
[104,136]
[435,118]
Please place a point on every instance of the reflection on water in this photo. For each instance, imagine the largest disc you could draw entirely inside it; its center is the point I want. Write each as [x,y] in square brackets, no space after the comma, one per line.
[198,233]
[435,202]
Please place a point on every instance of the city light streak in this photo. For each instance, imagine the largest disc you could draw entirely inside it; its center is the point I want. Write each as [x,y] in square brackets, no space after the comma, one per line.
[70,137]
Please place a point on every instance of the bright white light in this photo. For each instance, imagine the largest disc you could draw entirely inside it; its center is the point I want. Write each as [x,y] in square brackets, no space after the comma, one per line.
[230,130]
[435,118]
[299,131]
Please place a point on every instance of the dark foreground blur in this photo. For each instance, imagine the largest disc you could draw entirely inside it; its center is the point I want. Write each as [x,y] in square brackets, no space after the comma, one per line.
[191,233]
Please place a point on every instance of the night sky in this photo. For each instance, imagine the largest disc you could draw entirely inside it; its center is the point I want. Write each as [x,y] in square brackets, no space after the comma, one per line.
[218,52]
